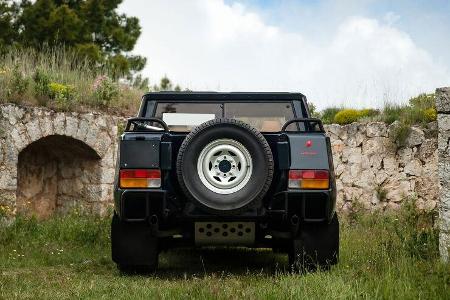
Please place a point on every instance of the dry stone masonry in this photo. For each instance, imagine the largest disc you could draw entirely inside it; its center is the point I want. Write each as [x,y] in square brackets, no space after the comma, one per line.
[443,108]
[54,161]
[372,172]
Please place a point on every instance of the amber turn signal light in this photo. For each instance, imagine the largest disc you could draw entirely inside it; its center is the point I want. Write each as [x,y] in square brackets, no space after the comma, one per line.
[140,178]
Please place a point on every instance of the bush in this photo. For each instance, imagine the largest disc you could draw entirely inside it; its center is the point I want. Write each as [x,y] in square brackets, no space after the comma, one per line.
[19,84]
[328,114]
[62,94]
[391,113]
[400,133]
[416,231]
[347,116]
[430,115]
[423,101]
[368,112]
[41,87]
[105,90]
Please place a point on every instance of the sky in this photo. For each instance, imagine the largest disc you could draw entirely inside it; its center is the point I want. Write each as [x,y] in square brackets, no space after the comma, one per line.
[358,53]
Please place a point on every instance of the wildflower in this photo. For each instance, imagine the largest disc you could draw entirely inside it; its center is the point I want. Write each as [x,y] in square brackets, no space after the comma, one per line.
[98,81]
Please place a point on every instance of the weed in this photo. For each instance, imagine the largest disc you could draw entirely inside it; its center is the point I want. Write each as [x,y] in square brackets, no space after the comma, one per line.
[391,113]
[381,193]
[328,114]
[416,231]
[105,90]
[399,134]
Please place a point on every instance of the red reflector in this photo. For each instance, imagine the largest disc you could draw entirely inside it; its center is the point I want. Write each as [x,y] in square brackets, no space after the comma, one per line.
[140,173]
[295,174]
[308,174]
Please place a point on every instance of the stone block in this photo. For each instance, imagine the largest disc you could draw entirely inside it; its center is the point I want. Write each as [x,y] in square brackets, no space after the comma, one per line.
[443,99]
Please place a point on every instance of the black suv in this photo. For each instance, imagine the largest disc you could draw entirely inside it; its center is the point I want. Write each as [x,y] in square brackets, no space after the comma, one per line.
[231,169]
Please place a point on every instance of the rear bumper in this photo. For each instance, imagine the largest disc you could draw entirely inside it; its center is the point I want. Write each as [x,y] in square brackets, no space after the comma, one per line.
[139,205]
[274,223]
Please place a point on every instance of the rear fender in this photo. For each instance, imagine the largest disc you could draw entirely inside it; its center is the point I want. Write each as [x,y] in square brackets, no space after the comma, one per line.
[142,151]
[312,151]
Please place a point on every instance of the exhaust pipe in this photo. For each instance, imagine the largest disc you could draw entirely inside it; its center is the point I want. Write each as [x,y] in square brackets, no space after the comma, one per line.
[154,225]
[294,220]
[154,220]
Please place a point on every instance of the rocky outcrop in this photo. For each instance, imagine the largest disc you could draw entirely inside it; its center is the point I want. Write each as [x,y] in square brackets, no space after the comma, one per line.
[374,173]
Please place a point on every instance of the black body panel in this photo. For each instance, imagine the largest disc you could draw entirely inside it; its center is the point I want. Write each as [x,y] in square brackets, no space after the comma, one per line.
[175,214]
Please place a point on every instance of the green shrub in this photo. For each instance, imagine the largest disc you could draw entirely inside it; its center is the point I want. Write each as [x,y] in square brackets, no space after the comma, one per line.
[62,95]
[328,114]
[391,113]
[430,115]
[416,231]
[313,110]
[41,87]
[381,193]
[400,133]
[105,90]
[347,116]
[19,84]
[423,101]
[368,112]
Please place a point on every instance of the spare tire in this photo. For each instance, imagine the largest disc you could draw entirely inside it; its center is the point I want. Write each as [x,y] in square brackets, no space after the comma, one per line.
[224,165]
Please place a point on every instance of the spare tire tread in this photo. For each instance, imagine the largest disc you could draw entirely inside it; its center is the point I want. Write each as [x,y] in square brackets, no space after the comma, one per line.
[262,141]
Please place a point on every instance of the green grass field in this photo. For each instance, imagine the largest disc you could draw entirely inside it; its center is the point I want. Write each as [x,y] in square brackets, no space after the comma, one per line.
[381,258]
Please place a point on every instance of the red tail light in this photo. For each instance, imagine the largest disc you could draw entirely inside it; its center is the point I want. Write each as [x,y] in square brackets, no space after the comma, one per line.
[309,179]
[140,178]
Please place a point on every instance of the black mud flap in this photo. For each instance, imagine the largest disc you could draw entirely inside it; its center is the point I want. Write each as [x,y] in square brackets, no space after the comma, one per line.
[133,245]
[316,246]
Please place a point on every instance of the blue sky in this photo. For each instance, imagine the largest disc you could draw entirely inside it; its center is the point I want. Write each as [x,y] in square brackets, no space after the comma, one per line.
[346,52]
[427,22]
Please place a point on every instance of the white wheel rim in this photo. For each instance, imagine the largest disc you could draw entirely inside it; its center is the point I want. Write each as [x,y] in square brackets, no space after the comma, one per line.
[224,166]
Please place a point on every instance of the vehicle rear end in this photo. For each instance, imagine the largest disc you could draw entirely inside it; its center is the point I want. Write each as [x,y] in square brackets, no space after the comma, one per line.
[224,169]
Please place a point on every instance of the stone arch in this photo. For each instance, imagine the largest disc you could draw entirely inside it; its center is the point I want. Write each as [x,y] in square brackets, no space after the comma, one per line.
[56,173]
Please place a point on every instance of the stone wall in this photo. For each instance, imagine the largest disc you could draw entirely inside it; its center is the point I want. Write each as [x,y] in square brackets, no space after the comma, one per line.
[443,107]
[374,173]
[53,161]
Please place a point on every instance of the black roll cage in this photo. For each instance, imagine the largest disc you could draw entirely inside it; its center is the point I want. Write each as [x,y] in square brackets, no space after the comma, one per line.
[297,100]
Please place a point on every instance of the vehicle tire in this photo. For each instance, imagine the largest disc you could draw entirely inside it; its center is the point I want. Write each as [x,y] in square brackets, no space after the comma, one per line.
[317,246]
[224,165]
[133,247]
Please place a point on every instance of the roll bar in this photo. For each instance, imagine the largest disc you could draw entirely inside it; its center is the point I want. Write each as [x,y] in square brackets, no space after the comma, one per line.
[310,124]
[140,123]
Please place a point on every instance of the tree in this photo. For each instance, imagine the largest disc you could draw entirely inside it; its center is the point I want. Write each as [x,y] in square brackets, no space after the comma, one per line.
[166,85]
[92,28]
[8,15]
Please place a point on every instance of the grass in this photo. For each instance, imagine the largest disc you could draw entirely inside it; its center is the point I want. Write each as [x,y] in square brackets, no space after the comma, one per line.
[57,79]
[419,111]
[69,257]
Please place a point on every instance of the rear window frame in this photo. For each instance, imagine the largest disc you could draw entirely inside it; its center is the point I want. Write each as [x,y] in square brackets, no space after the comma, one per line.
[222,105]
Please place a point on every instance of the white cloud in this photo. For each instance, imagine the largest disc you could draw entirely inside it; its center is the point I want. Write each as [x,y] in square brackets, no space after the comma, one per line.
[208,45]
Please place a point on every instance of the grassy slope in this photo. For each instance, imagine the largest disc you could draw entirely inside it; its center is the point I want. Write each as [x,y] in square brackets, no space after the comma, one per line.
[73,85]
[70,258]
